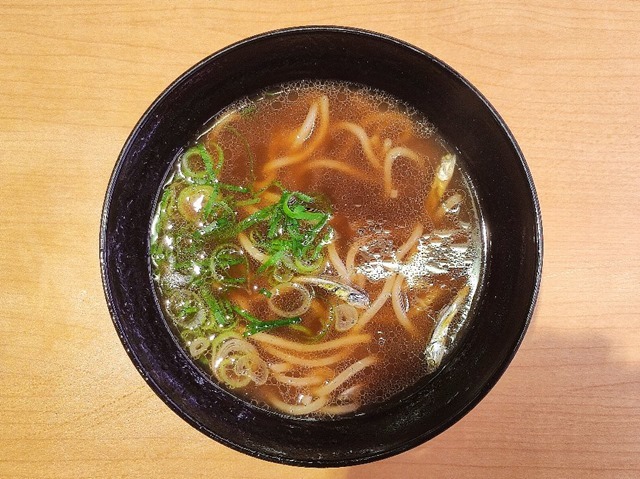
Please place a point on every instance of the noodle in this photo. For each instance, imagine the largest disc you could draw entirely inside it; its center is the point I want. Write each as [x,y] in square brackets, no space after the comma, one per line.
[297,409]
[390,157]
[214,131]
[387,118]
[309,363]
[307,126]
[334,165]
[313,143]
[281,367]
[376,305]
[359,132]
[351,393]
[345,375]
[270,198]
[447,206]
[339,410]
[250,209]
[337,262]
[354,249]
[241,300]
[411,241]
[401,314]
[298,381]
[341,342]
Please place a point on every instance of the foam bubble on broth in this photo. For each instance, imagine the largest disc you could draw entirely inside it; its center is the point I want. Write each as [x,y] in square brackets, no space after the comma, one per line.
[317,199]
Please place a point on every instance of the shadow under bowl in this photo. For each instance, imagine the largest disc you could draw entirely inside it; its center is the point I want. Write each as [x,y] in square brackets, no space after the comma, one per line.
[509,210]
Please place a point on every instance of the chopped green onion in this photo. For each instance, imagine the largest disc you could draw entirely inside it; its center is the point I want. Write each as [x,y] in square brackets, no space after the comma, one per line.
[246,111]
[265,292]
[226,373]
[254,328]
[292,233]
[224,258]
[223,211]
[238,189]
[308,267]
[299,212]
[187,169]
[245,314]
[254,218]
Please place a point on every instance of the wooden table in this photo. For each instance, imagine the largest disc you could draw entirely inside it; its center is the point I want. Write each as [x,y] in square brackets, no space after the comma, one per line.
[76,76]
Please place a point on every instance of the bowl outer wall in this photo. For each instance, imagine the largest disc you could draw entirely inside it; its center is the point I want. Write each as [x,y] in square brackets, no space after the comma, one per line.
[497,169]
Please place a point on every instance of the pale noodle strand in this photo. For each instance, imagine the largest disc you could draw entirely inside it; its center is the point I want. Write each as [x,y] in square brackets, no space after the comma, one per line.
[282,162]
[298,381]
[297,409]
[254,252]
[309,363]
[324,112]
[376,305]
[411,241]
[343,341]
[337,262]
[390,157]
[389,283]
[350,393]
[345,375]
[213,132]
[446,206]
[281,367]
[314,142]
[376,142]
[365,142]
[401,314]
[354,249]
[387,118]
[335,165]
[338,410]
[307,126]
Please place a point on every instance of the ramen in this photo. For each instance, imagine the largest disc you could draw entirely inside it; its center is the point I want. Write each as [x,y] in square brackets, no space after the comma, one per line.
[317,248]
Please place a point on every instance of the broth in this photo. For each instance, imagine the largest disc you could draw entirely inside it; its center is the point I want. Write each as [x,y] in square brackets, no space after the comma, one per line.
[317,248]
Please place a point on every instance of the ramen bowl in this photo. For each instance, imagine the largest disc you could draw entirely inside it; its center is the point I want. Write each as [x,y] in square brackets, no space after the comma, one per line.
[511,231]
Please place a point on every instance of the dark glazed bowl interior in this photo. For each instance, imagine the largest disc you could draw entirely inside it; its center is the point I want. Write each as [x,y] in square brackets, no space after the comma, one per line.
[507,200]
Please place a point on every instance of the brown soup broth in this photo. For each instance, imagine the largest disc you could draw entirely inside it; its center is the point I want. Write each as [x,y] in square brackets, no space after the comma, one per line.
[380,292]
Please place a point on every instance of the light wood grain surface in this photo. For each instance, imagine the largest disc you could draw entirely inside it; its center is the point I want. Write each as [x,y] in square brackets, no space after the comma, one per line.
[76,76]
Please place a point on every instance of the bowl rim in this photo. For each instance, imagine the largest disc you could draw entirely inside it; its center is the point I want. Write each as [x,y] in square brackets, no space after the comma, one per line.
[416,440]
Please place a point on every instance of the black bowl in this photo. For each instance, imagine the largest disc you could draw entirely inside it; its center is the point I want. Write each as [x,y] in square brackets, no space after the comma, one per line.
[509,208]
